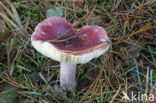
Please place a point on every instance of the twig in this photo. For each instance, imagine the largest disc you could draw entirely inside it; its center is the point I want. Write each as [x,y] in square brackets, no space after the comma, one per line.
[112,101]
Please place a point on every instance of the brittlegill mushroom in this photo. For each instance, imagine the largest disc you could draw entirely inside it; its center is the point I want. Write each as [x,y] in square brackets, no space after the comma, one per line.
[57,39]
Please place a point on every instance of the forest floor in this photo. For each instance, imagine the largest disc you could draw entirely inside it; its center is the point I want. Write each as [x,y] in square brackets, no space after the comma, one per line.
[127,69]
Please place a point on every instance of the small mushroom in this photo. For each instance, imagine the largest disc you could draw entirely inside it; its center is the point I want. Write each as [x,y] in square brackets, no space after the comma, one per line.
[57,39]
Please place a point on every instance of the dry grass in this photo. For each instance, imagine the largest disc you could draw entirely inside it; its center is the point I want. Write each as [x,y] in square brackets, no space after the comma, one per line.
[129,65]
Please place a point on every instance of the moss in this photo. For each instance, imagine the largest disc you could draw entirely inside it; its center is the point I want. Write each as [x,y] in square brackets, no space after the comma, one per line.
[34,15]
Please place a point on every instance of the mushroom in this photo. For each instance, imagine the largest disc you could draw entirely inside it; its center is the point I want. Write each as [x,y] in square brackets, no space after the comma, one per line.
[57,39]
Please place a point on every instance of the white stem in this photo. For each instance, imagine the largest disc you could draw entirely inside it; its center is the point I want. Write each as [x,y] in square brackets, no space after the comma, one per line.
[67,75]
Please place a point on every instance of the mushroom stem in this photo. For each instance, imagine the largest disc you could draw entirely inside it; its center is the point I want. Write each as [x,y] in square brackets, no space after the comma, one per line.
[67,75]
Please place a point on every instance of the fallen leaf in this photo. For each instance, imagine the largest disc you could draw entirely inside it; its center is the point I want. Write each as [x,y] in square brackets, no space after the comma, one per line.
[8,95]
[54,12]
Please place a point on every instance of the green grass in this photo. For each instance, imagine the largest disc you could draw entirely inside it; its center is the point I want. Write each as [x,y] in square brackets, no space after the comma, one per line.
[29,12]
